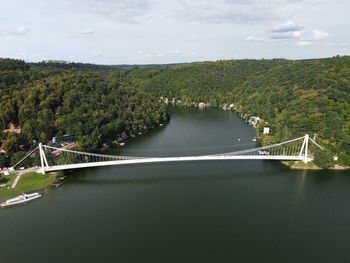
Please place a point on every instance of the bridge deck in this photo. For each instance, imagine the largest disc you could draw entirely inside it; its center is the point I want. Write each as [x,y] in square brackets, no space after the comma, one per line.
[175,159]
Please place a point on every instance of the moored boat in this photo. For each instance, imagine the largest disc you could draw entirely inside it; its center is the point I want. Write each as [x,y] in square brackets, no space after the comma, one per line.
[20,199]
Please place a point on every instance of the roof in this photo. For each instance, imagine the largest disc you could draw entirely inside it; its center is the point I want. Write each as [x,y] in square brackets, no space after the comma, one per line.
[18,131]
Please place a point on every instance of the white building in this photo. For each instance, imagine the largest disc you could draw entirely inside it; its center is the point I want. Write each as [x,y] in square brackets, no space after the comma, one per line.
[266,130]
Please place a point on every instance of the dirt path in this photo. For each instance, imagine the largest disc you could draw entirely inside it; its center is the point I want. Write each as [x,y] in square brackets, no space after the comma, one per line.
[20,173]
[15,182]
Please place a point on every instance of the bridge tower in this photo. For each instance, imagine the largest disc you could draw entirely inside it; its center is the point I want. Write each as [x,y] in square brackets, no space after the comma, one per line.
[43,159]
[304,148]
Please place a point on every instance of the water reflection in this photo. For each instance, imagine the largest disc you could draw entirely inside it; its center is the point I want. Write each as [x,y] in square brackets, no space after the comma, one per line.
[300,179]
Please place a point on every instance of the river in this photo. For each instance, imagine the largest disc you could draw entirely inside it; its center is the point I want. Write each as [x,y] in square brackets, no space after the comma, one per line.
[218,211]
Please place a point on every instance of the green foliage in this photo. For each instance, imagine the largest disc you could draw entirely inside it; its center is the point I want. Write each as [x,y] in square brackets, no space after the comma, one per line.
[65,158]
[95,103]
[16,157]
[12,143]
[324,159]
[12,64]
[294,97]
[4,160]
[53,98]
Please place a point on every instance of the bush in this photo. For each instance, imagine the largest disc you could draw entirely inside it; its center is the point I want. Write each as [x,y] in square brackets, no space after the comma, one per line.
[324,159]
[3,179]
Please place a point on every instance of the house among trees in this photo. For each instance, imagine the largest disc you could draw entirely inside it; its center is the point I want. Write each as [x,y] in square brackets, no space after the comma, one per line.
[12,128]
[254,121]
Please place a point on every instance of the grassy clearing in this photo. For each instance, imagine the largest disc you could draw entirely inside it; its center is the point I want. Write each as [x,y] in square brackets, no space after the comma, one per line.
[28,182]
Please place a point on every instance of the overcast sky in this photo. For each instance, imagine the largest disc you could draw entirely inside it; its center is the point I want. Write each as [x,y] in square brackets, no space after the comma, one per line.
[159,31]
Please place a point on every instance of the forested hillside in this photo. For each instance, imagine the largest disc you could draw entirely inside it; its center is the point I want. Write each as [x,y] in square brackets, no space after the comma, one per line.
[195,82]
[50,101]
[294,97]
[94,103]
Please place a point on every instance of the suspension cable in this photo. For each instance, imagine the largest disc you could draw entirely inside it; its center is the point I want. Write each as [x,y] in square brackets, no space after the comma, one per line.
[25,157]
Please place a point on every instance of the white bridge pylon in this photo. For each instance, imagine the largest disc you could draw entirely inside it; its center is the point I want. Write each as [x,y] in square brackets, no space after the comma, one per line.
[57,159]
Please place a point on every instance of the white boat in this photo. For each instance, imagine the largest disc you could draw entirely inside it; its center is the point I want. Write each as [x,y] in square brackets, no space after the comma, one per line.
[21,199]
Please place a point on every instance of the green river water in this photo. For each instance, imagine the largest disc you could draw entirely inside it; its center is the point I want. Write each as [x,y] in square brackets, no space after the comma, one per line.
[217,211]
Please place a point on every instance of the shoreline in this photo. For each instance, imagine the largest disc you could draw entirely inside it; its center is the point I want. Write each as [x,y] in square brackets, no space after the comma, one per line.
[296,165]
[32,182]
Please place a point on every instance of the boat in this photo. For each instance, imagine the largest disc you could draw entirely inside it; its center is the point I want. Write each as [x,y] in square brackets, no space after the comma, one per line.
[20,199]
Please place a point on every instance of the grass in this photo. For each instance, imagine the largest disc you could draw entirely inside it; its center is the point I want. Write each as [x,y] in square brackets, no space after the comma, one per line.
[28,182]
[301,165]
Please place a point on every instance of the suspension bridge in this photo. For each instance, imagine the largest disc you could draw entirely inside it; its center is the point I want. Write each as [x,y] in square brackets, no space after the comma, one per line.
[58,159]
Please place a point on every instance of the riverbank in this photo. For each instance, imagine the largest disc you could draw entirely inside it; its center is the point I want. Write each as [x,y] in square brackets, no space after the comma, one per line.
[27,183]
[259,125]
[301,165]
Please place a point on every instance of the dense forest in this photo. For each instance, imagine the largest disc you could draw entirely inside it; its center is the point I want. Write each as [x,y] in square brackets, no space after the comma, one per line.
[95,103]
[293,97]
[90,106]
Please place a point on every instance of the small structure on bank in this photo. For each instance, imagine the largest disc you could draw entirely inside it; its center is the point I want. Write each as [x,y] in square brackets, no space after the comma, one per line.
[266,130]
[254,121]
[12,128]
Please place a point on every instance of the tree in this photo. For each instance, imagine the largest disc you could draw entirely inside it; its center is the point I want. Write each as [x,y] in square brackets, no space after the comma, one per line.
[4,160]
[15,158]
[65,158]
[11,144]
[324,159]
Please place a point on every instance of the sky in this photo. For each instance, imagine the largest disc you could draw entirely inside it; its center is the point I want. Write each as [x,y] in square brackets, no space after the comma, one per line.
[158,31]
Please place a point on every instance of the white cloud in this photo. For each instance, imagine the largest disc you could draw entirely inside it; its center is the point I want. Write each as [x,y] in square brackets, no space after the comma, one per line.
[87,32]
[298,34]
[14,31]
[289,27]
[238,11]
[169,53]
[256,39]
[205,29]
[290,30]
[21,30]
[121,11]
[303,43]
[319,34]
[97,53]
